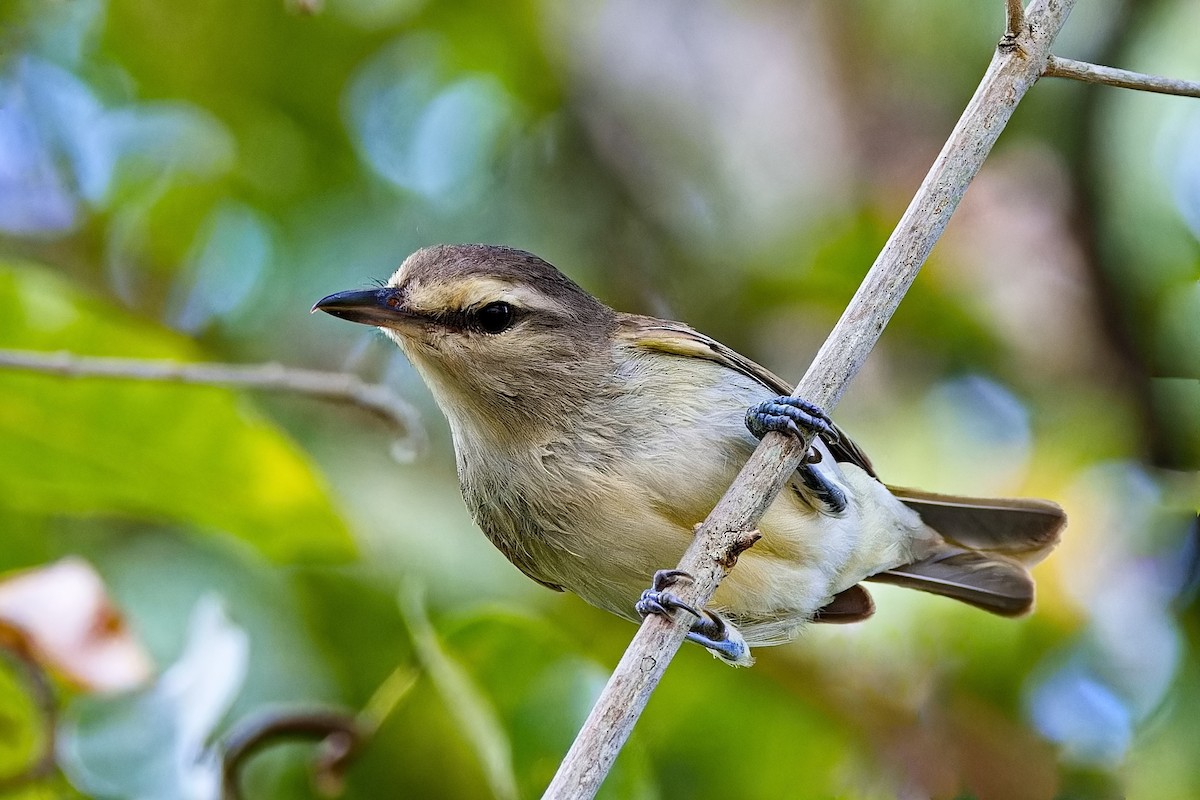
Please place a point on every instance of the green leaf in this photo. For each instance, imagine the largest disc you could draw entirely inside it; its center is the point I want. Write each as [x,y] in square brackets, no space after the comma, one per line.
[20,721]
[543,689]
[145,450]
[470,707]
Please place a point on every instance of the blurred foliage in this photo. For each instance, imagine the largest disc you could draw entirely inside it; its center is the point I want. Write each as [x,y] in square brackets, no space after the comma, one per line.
[181,181]
[130,448]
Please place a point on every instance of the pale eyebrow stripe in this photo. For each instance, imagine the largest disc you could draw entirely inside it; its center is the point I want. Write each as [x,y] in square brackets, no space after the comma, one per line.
[476,291]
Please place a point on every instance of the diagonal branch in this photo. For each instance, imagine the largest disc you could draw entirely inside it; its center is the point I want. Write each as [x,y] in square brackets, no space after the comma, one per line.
[338,387]
[1014,69]
[1122,78]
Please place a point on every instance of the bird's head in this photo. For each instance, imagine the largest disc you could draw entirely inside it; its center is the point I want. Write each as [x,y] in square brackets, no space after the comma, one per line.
[492,330]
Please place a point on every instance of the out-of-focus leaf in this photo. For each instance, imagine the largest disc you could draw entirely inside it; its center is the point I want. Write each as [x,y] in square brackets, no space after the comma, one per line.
[152,745]
[148,450]
[20,721]
[409,120]
[1178,399]
[62,615]
[227,265]
[543,690]
[356,620]
[471,709]
[699,743]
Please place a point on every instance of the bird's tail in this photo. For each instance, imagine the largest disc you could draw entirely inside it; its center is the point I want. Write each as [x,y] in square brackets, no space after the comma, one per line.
[985,549]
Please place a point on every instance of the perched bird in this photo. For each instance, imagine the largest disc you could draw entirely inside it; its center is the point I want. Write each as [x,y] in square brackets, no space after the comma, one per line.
[590,442]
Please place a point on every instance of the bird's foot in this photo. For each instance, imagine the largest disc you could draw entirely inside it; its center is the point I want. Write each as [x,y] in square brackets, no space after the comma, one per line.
[790,415]
[657,600]
[710,630]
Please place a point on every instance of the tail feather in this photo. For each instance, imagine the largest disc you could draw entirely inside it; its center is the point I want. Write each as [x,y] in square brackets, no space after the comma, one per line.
[1023,529]
[983,551]
[992,583]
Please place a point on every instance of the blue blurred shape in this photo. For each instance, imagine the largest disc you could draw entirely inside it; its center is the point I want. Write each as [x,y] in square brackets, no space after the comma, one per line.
[421,131]
[44,152]
[232,253]
[981,434]
[1083,715]
[1184,172]
[150,140]
[154,744]
[60,147]
[984,410]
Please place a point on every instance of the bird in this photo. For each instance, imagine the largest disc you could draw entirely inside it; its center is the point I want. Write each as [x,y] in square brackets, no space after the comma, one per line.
[590,442]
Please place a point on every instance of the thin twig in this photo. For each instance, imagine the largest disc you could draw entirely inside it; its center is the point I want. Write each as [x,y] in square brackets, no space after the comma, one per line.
[1012,72]
[338,387]
[1014,26]
[340,734]
[1110,76]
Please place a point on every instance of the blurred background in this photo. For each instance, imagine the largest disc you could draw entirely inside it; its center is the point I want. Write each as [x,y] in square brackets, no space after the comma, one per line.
[183,180]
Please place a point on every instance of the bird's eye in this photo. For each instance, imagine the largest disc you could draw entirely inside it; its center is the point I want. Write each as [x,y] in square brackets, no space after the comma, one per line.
[495,317]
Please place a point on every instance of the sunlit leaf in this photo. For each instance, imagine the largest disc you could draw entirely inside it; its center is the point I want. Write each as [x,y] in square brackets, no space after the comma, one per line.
[148,450]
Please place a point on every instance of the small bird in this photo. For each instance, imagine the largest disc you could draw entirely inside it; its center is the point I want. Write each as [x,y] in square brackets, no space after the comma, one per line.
[590,442]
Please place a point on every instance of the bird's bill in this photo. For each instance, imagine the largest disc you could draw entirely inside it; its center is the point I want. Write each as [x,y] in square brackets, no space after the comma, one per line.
[383,308]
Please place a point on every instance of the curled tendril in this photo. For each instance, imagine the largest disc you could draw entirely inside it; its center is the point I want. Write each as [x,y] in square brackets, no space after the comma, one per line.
[340,734]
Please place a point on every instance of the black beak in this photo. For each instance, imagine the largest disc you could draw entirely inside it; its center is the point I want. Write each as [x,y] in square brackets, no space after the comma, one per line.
[380,307]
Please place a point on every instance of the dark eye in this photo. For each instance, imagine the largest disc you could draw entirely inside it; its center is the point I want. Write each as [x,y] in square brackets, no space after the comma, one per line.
[495,317]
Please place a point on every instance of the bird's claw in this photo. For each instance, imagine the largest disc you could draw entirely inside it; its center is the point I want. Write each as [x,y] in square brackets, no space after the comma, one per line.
[710,630]
[657,600]
[789,415]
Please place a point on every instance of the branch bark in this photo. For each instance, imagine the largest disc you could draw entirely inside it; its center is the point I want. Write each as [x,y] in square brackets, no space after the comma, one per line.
[339,387]
[1013,70]
[1014,24]
[1122,78]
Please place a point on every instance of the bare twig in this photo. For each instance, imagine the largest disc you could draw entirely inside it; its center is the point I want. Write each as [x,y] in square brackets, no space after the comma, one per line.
[41,689]
[1014,25]
[1109,76]
[1012,72]
[339,732]
[339,387]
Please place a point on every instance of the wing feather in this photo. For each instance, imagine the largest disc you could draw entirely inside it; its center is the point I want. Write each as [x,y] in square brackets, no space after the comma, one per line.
[675,338]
